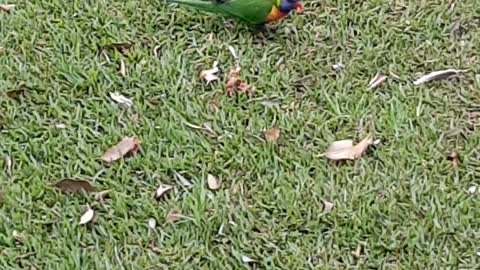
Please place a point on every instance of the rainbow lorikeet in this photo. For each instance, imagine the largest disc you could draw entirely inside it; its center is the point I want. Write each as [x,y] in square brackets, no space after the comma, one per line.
[254,12]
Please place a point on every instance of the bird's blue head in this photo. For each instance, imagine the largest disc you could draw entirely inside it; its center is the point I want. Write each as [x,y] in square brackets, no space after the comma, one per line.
[285,6]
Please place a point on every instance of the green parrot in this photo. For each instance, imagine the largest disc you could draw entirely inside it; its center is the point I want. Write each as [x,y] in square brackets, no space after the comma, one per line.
[254,12]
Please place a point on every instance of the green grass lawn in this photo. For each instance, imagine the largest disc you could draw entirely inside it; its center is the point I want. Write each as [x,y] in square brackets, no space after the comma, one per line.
[403,205]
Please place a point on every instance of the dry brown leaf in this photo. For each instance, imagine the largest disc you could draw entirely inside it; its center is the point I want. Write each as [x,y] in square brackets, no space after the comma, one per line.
[87,216]
[162,190]
[376,81]
[210,74]
[7,8]
[272,135]
[344,149]
[212,182]
[174,216]
[437,75]
[123,68]
[74,186]
[128,145]
[121,99]
[454,158]
[234,82]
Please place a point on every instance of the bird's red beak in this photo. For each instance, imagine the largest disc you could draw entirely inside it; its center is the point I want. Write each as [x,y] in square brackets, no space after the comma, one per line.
[299,7]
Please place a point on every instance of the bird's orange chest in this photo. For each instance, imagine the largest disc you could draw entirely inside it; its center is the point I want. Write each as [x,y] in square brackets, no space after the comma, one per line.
[275,15]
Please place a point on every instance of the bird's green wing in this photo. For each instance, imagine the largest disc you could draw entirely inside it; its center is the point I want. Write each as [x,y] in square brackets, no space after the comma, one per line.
[251,11]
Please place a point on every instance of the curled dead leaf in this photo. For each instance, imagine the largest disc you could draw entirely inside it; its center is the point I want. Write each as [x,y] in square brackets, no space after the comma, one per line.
[210,74]
[128,145]
[437,75]
[212,182]
[87,216]
[121,99]
[7,8]
[162,190]
[156,51]
[74,186]
[344,149]
[272,134]
[376,81]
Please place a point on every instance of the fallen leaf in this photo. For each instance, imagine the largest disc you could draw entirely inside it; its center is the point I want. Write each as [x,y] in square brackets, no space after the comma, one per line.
[247,259]
[212,182]
[162,190]
[121,99]
[128,145]
[152,223]
[210,74]
[272,135]
[345,149]
[100,196]
[174,216]
[234,81]
[454,158]
[376,81]
[472,189]
[328,206]
[7,8]
[437,75]
[183,180]
[123,68]
[74,186]
[87,216]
